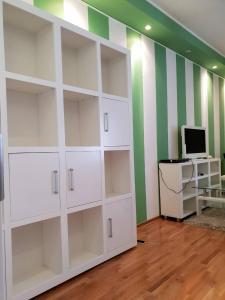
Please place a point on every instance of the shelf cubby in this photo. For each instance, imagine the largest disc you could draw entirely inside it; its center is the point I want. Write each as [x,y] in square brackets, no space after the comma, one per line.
[114,72]
[36,254]
[29,44]
[117,173]
[214,166]
[215,179]
[79,60]
[81,114]
[189,207]
[203,168]
[188,190]
[32,118]
[85,230]
[188,172]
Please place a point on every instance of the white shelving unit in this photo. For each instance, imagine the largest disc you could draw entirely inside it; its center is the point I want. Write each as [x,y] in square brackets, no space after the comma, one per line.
[184,177]
[66,120]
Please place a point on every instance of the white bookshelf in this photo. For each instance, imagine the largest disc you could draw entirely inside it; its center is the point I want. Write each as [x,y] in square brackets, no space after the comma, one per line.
[68,183]
[183,178]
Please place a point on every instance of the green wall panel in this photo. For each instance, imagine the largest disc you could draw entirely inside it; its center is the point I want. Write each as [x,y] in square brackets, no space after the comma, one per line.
[98,23]
[181,98]
[210,114]
[161,102]
[55,7]
[197,95]
[222,131]
[134,44]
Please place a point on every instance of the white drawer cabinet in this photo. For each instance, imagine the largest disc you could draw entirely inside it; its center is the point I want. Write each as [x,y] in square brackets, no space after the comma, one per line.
[116,124]
[34,184]
[120,224]
[83,177]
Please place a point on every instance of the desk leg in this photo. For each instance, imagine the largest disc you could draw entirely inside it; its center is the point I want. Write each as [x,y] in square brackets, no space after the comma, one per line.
[198,207]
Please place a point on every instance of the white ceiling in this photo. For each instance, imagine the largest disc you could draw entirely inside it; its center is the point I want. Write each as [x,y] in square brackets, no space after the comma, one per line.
[205,18]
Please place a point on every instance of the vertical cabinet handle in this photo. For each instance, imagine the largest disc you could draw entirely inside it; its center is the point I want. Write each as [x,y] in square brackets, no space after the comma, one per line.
[55,184]
[106,122]
[71,180]
[110,234]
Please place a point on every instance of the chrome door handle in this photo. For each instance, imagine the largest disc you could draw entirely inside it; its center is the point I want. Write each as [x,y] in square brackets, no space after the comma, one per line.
[106,122]
[55,185]
[71,179]
[110,235]
[2,194]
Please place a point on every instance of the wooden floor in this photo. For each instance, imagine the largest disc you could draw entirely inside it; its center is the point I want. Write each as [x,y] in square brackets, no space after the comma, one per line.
[176,262]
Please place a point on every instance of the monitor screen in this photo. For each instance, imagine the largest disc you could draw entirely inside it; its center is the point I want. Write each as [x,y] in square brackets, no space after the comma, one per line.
[195,140]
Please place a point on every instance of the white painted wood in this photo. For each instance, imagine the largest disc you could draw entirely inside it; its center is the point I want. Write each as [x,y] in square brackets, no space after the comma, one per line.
[34,77]
[76,12]
[172,103]
[216,106]
[81,119]
[32,184]
[117,32]
[190,113]
[117,173]
[31,118]
[40,244]
[85,236]
[177,195]
[114,72]
[26,46]
[119,224]
[116,129]
[83,177]
[79,60]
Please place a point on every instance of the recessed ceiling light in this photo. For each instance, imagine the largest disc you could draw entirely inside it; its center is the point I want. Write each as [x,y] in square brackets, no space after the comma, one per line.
[214,67]
[148,27]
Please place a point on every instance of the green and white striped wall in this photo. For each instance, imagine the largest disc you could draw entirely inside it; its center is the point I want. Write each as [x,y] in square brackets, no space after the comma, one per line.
[168,91]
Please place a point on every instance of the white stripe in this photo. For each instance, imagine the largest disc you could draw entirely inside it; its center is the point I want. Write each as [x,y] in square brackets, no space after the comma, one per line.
[76,13]
[204,100]
[190,109]
[117,32]
[150,129]
[216,105]
[172,103]
[29,1]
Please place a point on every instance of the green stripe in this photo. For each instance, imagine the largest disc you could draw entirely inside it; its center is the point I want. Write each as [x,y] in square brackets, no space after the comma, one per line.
[222,132]
[134,44]
[197,95]
[98,23]
[210,114]
[55,7]
[161,102]
[181,98]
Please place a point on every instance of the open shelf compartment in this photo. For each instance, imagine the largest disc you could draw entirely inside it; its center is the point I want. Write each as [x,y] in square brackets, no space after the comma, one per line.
[36,254]
[117,173]
[189,207]
[29,44]
[188,172]
[79,60]
[85,230]
[203,169]
[114,72]
[215,179]
[32,114]
[81,114]
[215,166]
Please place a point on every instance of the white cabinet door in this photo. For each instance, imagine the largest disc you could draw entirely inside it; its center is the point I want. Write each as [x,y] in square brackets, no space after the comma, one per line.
[116,129]
[120,224]
[83,177]
[34,184]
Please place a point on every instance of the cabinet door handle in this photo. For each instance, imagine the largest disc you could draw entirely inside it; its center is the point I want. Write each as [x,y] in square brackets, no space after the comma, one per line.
[106,122]
[55,185]
[110,235]
[71,179]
